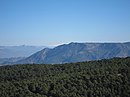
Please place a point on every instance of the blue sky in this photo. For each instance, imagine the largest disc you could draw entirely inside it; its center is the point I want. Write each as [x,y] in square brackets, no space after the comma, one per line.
[53,22]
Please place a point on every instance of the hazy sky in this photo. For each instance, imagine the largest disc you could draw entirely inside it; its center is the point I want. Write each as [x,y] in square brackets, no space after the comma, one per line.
[52,22]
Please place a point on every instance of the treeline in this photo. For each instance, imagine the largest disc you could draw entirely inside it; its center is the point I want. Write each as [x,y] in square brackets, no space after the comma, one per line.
[104,78]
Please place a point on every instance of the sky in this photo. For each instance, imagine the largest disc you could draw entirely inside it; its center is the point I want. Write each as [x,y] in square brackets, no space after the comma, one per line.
[54,22]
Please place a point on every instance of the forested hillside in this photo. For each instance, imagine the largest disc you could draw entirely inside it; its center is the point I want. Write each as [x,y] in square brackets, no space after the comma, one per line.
[104,78]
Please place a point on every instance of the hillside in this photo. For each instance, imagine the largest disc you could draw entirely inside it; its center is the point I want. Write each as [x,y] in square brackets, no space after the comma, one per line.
[78,52]
[104,78]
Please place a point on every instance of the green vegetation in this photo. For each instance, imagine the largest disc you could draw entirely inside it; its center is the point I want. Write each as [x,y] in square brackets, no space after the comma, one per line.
[104,78]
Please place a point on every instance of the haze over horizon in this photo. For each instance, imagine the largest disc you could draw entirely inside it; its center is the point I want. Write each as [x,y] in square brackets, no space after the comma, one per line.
[50,23]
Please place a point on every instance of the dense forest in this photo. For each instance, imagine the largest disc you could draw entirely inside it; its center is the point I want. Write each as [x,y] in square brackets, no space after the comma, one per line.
[103,78]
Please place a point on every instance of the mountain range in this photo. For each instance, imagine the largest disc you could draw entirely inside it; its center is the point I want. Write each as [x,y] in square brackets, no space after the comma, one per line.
[78,52]
[10,60]
[18,51]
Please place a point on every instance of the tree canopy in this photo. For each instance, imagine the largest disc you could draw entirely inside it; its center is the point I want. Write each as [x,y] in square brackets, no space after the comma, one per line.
[104,78]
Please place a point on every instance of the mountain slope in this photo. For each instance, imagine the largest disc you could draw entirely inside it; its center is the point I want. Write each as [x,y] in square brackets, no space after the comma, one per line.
[77,52]
[38,57]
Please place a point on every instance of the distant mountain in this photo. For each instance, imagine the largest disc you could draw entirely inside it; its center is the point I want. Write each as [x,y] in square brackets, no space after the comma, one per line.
[77,52]
[18,51]
[5,61]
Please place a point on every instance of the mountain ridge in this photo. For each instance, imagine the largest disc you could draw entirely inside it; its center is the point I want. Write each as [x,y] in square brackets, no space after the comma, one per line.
[78,52]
